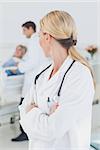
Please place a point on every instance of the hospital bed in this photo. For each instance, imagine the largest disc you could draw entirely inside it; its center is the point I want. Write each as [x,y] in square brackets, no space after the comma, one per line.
[10,93]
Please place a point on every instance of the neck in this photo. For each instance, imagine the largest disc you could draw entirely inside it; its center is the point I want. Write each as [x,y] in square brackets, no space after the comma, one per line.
[59,57]
[19,57]
[32,34]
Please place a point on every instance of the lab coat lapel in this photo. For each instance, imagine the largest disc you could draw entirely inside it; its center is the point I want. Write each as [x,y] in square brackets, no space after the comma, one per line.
[48,83]
[58,76]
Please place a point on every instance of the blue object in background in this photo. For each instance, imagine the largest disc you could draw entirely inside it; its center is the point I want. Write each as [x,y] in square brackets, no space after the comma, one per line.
[10,73]
[9,63]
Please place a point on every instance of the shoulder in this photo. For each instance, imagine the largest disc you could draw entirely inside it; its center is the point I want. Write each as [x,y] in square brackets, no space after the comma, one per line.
[79,75]
[34,38]
[10,60]
[81,70]
[78,81]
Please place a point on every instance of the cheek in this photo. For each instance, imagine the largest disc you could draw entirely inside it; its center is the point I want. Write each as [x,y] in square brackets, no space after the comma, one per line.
[44,46]
[18,54]
[21,53]
[41,43]
[23,32]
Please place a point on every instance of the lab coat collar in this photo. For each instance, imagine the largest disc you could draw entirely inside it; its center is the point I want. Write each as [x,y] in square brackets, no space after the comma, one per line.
[33,35]
[58,75]
[65,64]
[63,67]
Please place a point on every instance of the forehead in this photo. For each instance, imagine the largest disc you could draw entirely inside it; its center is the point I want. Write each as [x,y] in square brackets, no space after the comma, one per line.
[19,48]
[24,29]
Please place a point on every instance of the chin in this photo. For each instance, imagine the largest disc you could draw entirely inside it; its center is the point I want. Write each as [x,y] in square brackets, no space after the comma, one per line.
[47,55]
[28,37]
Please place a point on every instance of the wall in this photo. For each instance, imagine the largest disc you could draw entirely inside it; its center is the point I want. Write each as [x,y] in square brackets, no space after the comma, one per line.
[13,14]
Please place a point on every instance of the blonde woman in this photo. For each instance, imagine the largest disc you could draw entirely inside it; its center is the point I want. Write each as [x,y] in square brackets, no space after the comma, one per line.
[56,113]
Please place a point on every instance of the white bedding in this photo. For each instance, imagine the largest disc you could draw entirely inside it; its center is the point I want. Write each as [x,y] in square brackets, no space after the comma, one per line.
[10,88]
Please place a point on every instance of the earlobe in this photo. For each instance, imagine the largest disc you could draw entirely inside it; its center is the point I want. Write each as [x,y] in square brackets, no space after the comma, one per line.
[48,37]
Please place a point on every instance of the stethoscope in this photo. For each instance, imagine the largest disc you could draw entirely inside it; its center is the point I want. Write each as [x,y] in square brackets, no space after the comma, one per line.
[94,147]
[59,90]
[60,87]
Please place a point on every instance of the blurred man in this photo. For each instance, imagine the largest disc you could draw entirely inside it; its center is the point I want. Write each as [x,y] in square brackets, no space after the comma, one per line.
[31,64]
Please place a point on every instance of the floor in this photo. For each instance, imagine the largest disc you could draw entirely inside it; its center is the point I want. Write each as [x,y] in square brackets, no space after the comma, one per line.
[9,131]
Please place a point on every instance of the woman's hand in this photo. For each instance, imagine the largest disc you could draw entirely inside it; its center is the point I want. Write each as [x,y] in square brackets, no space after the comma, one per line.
[30,107]
[53,108]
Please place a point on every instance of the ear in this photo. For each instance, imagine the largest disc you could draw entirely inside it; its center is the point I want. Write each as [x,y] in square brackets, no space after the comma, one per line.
[48,37]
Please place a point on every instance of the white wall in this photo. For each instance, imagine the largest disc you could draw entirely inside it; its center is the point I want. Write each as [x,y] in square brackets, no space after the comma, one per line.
[14,14]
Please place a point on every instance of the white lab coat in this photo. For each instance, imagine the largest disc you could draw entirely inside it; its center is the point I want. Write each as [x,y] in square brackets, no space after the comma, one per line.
[32,62]
[69,127]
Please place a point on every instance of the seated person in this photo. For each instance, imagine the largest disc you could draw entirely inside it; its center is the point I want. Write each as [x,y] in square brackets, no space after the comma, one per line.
[15,60]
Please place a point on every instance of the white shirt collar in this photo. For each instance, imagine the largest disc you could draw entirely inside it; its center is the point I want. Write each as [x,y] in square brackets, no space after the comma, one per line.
[33,35]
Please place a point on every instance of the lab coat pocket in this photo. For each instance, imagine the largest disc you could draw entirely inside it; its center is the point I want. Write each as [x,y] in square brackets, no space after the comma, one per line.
[52,105]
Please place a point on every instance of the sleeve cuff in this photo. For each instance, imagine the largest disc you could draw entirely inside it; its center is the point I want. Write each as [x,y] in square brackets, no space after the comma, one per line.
[28,119]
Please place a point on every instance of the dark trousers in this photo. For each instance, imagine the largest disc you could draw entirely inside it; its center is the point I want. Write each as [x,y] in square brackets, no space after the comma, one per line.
[21,129]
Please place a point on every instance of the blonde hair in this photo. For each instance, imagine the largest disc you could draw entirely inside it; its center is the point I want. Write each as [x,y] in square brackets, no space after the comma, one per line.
[61,26]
